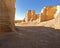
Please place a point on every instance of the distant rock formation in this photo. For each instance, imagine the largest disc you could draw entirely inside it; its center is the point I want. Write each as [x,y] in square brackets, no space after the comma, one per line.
[53,18]
[47,13]
[57,18]
[30,16]
[7,14]
[49,17]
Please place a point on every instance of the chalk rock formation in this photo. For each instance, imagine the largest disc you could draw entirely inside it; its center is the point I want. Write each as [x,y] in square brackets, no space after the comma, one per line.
[7,14]
[57,18]
[47,13]
[54,18]
[33,15]
[30,16]
[49,17]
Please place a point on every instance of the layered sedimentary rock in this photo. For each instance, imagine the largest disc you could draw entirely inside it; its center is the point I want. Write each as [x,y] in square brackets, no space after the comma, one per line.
[54,20]
[30,16]
[7,14]
[57,18]
[33,15]
[47,13]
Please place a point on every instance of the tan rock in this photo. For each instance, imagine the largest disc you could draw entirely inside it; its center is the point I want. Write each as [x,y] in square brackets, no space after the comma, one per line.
[47,13]
[49,17]
[7,14]
[30,16]
[55,23]
[57,18]
[33,15]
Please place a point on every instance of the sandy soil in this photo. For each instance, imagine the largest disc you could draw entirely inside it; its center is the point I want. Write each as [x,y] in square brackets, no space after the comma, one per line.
[31,37]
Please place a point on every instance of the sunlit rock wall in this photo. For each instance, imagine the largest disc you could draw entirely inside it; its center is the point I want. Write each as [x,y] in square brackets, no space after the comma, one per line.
[57,18]
[7,14]
[52,19]
[33,15]
[47,13]
[30,16]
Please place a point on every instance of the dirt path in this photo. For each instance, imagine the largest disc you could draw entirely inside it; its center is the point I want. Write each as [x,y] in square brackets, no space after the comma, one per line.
[31,37]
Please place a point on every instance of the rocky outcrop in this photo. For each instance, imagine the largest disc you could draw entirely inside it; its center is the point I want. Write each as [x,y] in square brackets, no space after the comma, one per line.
[57,18]
[7,14]
[30,16]
[49,17]
[47,13]
[54,21]
[33,15]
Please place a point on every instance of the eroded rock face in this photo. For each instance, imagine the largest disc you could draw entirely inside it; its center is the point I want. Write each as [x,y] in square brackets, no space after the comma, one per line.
[30,16]
[33,15]
[7,14]
[57,18]
[47,13]
[54,18]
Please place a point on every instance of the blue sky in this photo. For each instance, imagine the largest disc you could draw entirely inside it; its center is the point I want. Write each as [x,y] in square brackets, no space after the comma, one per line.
[22,6]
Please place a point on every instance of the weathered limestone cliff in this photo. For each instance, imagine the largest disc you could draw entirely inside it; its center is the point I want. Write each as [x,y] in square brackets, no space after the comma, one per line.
[33,15]
[57,18]
[49,17]
[30,16]
[54,18]
[7,14]
[47,13]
